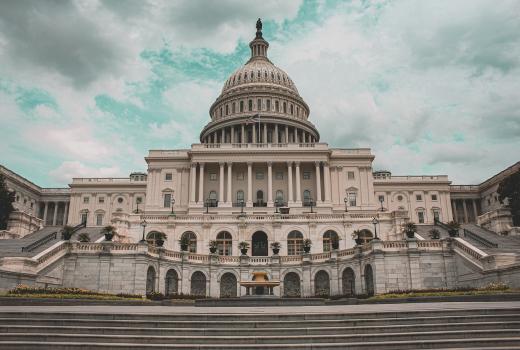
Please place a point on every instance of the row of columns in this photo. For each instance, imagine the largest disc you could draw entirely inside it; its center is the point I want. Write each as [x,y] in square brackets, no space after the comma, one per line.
[465,218]
[259,135]
[55,214]
[249,201]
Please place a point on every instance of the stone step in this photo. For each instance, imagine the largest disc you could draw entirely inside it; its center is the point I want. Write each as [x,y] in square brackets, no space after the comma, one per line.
[470,335]
[226,317]
[396,328]
[453,344]
[347,322]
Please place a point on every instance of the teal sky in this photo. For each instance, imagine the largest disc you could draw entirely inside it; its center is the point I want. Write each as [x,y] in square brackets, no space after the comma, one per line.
[88,87]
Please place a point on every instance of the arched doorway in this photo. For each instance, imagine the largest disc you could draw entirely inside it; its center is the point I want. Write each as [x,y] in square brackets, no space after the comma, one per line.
[322,284]
[198,284]
[228,285]
[171,283]
[150,280]
[291,285]
[259,243]
[369,280]
[348,280]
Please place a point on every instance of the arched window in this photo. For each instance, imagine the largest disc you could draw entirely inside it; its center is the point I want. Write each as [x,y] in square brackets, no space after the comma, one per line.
[245,76]
[258,75]
[228,284]
[227,109]
[171,282]
[239,76]
[198,284]
[268,104]
[330,238]
[348,282]
[322,284]
[365,235]
[276,106]
[224,242]
[250,105]
[291,109]
[233,107]
[153,236]
[284,107]
[291,285]
[259,198]
[220,111]
[294,243]
[241,106]
[192,238]
[150,280]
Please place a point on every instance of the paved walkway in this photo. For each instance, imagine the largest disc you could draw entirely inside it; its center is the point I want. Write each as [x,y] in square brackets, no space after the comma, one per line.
[104,309]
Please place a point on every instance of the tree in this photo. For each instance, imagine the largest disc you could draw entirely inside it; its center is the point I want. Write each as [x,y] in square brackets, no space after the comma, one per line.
[509,189]
[6,203]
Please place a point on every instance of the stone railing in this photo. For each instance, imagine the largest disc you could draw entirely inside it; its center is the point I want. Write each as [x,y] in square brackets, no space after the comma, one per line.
[469,251]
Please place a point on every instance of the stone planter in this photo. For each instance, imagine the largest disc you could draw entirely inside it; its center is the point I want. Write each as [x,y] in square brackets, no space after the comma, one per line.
[243,251]
[307,249]
[184,247]
[159,242]
[276,251]
[359,241]
[453,233]
[410,235]
[213,250]
[109,236]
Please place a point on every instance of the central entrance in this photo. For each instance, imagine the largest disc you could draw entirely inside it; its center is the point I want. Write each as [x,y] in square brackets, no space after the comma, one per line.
[259,243]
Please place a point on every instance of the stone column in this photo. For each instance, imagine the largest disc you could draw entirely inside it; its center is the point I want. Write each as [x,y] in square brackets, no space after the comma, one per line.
[326,181]
[229,180]
[55,213]
[474,202]
[223,135]
[65,213]
[249,202]
[221,185]
[232,134]
[318,183]
[465,211]
[289,178]
[193,180]
[45,210]
[275,133]
[341,184]
[242,135]
[201,183]
[286,134]
[265,133]
[269,184]
[254,133]
[298,187]
[303,136]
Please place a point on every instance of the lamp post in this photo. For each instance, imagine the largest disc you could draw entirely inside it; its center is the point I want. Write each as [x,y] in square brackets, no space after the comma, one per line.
[241,207]
[311,204]
[381,200]
[375,222]
[346,204]
[143,224]
[173,202]
[137,210]
[207,206]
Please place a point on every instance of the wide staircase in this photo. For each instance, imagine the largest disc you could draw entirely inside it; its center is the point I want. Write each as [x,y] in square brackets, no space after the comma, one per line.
[489,328]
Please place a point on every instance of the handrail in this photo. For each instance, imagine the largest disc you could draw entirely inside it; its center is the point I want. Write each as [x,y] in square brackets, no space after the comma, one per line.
[482,240]
[40,242]
[442,224]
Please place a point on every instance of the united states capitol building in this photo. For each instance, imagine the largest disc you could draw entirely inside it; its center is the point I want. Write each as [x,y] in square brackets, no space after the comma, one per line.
[260,174]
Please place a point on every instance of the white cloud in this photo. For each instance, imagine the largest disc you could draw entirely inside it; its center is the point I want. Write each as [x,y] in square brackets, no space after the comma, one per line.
[71,169]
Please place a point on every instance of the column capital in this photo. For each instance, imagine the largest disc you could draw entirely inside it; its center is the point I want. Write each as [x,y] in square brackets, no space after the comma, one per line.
[326,164]
[249,163]
[289,164]
[193,165]
[340,167]
[317,163]
[221,163]
[201,164]
[269,163]
[229,164]
[297,164]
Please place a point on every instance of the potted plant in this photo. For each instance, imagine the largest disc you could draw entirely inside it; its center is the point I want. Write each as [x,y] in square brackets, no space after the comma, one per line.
[243,246]
[453,228]
[109,232]
[84,237]
[67,232]
[307,243]
[409,229]
[357,238]
[334,242]
[160,238]
[434,233]
[184,242]
[275,246]
[213,245]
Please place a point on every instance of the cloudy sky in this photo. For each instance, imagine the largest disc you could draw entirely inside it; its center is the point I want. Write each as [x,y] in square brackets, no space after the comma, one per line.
[88,87]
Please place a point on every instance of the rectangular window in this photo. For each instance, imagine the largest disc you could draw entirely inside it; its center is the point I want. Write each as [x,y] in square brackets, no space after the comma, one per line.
[420,216]
[167,200]
[259,175]
[352,199]
[84,217]
[350,175]
[168,176]
[85,200]
[434,197]
[436,215]
[240,176]
[418,197]
[279,175]
[101,200]
[212,176]
[306,175]
[99,219]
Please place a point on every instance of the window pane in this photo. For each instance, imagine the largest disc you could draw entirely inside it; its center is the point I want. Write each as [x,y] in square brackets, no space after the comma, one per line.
[167,200]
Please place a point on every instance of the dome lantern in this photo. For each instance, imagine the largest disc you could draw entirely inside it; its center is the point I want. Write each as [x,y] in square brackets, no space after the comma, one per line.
[259,46]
